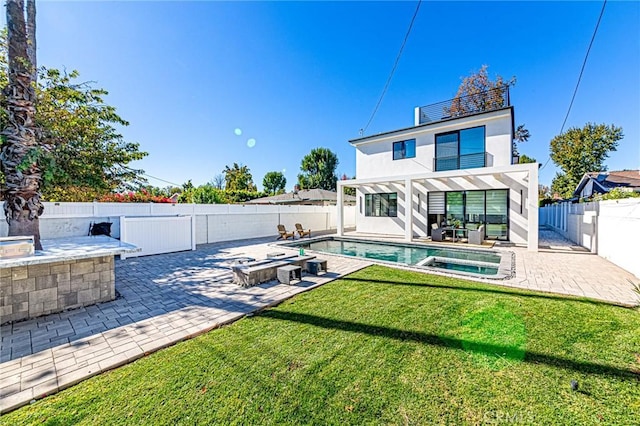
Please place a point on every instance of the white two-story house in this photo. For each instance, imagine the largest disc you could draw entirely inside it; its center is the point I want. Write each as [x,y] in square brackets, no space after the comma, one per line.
[457,165]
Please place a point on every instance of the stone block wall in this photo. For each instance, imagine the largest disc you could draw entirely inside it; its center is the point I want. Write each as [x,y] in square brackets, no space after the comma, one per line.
[34,290]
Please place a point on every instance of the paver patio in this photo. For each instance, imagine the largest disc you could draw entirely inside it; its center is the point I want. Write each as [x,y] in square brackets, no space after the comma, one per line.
[168,298]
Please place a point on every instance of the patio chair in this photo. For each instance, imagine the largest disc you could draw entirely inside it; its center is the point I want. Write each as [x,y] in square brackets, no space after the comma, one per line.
[284,234]
[437,233]
[476,236]
[302,232]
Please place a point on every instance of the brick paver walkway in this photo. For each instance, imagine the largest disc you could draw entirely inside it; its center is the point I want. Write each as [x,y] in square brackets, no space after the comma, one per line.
[163,299]
[565,268]
[168,298]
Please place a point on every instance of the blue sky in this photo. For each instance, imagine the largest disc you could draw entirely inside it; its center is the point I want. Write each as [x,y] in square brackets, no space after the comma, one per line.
[293,76]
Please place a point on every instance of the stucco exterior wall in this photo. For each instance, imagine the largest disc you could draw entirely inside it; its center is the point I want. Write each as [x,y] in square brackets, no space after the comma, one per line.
[514,181]
[375,158]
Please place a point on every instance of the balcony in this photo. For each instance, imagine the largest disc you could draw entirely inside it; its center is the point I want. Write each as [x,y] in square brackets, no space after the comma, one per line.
[464,106]
[466,161]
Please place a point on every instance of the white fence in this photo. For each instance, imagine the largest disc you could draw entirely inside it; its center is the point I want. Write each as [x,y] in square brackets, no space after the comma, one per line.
[214,222]
[158,234]
[609,228]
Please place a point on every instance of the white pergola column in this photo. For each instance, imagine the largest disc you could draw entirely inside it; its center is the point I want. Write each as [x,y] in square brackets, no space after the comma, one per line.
[532,207]
[408,210]
[340,207]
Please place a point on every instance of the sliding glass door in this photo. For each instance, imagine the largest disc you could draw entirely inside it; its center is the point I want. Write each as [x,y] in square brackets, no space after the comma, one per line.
[497,219]
[475,208]
[455,207]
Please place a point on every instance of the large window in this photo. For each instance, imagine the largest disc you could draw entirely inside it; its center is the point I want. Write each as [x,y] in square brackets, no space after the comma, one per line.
[404,149]
[462,149]
[471,209]
[384,205]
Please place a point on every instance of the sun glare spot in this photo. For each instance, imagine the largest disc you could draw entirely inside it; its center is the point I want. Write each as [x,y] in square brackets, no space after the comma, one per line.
[251,143]
[238,131]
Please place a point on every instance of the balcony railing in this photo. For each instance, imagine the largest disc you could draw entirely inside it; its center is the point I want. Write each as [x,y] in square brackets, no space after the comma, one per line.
[466,161]
[463,106]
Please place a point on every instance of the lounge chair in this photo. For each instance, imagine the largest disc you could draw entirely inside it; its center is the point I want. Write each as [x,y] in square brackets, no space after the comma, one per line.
[437,233]
[302,232]
[476,236]
[284,234]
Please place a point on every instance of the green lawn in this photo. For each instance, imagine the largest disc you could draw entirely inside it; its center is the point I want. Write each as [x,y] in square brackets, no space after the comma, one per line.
[381,346]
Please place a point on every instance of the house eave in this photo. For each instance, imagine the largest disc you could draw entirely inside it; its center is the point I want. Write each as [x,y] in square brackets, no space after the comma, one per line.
[450,122]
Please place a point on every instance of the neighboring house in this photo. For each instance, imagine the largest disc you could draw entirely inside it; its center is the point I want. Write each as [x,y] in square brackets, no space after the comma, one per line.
[457,167]
[602,182]
[307,197]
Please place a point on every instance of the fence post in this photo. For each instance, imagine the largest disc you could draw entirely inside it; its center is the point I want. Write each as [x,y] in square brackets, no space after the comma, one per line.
[193,232]
[123,235]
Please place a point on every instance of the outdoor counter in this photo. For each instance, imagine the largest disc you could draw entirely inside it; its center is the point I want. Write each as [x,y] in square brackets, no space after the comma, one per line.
[67,273]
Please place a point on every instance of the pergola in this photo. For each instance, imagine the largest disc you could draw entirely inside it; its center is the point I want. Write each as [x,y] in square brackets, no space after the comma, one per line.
[525,173]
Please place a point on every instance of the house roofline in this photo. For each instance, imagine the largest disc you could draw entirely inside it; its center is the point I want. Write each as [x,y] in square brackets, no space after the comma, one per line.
[372,138]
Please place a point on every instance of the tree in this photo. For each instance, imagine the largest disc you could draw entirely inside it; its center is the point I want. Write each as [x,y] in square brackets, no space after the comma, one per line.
[319,170]
[579,151]
[218,181]
[204,194]
[544,191]
[81,154]
[84,150]
[347,190]
[521,135]
[478,93]
[22,174]
[238,177]
[561,186]
[526,159]
[274,183]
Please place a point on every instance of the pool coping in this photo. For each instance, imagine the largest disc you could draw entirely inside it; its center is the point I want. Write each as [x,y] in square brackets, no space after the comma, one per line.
[506,267]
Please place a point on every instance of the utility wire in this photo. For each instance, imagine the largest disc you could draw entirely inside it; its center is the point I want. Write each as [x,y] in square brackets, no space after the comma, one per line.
[393,70]
[162,180]
[584,63]
[153,177]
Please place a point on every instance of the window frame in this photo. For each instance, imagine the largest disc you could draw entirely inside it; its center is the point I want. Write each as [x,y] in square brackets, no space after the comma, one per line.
[459,142]
[403,150]
[387,209]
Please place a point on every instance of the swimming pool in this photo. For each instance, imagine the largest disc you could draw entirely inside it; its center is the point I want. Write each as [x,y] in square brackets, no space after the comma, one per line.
[484,263]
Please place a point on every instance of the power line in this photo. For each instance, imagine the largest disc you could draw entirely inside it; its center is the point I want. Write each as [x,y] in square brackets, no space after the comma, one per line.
[584,63]
[153,177]
[393,70]
[161,180]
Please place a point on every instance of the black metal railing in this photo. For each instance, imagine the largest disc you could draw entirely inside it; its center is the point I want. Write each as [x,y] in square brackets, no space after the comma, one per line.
[467,161]
[463,106]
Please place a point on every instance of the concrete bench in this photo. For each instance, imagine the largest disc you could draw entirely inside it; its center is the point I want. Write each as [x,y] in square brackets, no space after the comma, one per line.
[247,276]
[300,261]
[288,273]
[315,266]
[280,256]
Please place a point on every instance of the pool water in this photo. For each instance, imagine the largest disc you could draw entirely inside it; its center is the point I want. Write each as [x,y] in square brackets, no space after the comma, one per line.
[457,260]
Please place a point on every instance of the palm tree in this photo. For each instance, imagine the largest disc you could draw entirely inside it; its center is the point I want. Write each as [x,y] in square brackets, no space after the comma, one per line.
[18,155]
